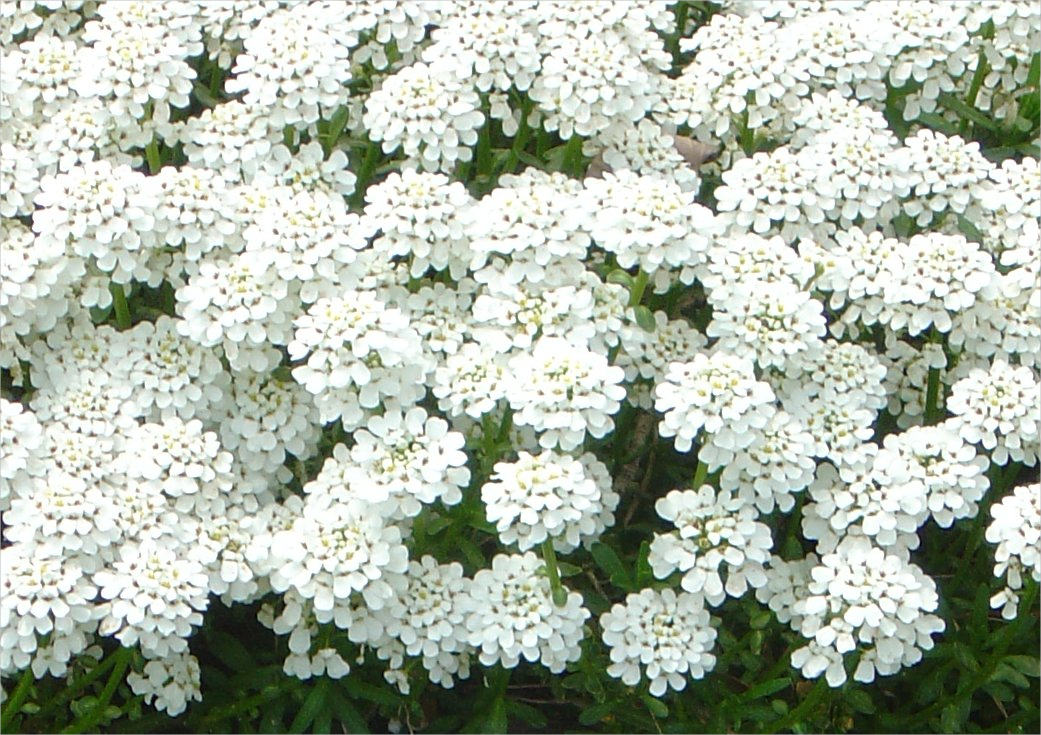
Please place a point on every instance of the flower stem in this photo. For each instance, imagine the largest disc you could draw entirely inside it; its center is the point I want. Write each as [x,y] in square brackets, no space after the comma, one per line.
[372,154]
[14,704]
[549,555]
[119,305]
[90,720]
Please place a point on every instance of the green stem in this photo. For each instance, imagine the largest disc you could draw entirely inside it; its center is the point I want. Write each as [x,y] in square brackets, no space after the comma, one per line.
[119,305]
[89,721]
[639,286]
[336,126]
[549,555]
[699,474]
[681,24]
[14,704]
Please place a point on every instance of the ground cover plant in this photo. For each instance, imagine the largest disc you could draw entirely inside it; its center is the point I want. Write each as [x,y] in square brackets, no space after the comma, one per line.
[520,366]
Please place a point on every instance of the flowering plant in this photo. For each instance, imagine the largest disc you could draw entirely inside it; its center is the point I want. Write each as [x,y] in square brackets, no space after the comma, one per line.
[476,356]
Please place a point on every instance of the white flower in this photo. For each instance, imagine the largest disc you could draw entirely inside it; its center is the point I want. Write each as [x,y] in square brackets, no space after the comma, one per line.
[184,462]
[168,683]
[295,63]
[471,381]
[102,212]
[932,278]
[510,614]
[590,80]
[879,496]
[1016,529]
[358,353]
[267,419]
[647,221]
[531,218]
[564,392]
[432,625]
[668,634]
[861,597]
[155,598]
[43,593]
[779,191]
[771,323]
[954,474]
[419,217]
[399,462]
[63,514]
[717,393]
[549,496]
[241,304]
[714,533]
[331,550]
[648,354]
[232,138]
[998,408]
[778,463]
[22,459]
[844,372]
[192,211]
[944,174]
[172,375]
[425,110]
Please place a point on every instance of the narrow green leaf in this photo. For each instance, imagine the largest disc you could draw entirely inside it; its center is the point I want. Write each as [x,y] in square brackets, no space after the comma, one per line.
[1028,665]
[346,713]
[645,318]
[860,701]
[655,706]
[621,278]
[313,704]
[593,715]
[966,112]
[527,713]
[765,689]
[496,721]
[230,651]
[364,690]
[607,559]
[471,552]
[644,576]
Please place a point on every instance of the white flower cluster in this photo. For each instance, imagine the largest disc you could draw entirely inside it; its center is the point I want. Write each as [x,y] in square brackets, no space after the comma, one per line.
[291,292]
[1016,529]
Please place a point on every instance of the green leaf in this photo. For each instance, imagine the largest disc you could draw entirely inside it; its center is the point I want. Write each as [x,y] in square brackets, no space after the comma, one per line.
[760,619]
[527,713]
[860,701]
[1004,672]
[364,690]
[968,229]
[568,570]
[496,721]
[592,715]
[765,689]
[655,706]
[645,318]
[954,715]
[963,655]
[607,559]
[230,651]
[313,704]
[966,111]
[1027,665]
[621,278]
[644,576]
[471,552]
[346,713]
